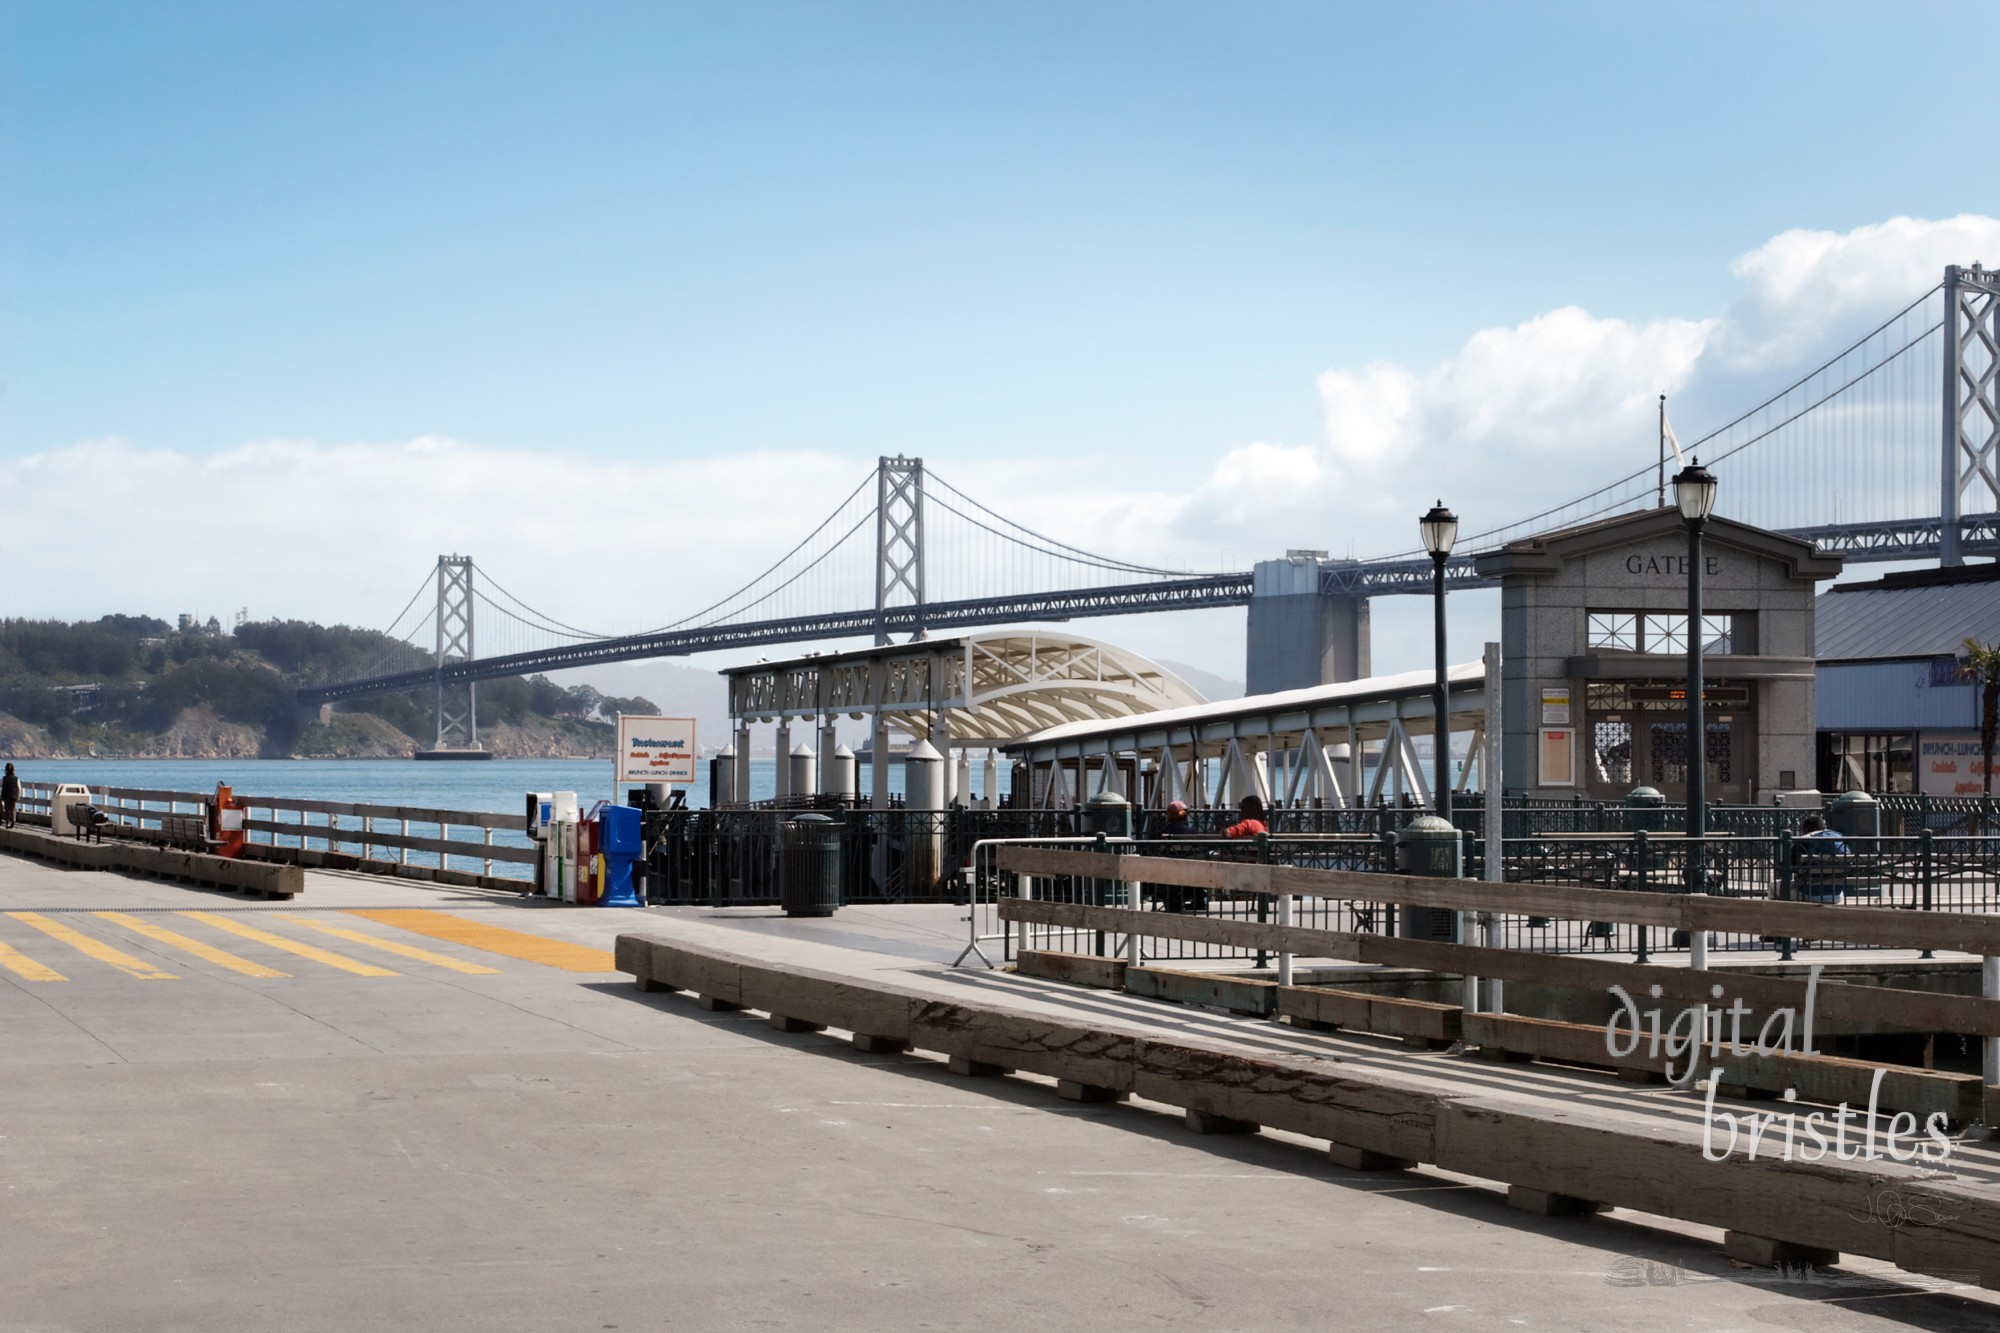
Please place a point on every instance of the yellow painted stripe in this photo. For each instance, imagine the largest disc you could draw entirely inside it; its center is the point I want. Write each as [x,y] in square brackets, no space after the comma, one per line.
[493,939]
[206,952]
[396,947]
[97,949]
[290,946]
[25,967]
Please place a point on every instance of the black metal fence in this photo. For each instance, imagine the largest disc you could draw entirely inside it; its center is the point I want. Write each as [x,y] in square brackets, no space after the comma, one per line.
[1925,872]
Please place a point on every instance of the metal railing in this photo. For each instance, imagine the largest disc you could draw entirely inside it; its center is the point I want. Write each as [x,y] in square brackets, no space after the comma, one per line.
[1927,872]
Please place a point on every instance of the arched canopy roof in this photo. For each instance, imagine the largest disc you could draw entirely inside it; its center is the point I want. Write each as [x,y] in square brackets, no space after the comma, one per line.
[982,688]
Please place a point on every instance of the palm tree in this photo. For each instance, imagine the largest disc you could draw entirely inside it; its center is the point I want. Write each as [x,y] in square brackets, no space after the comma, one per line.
[1980,663]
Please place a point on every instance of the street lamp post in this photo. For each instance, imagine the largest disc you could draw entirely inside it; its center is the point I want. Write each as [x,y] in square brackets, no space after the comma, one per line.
[1694,493]
[1440,529]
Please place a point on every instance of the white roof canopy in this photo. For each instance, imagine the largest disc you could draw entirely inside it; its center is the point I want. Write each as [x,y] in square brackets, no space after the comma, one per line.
[983,689]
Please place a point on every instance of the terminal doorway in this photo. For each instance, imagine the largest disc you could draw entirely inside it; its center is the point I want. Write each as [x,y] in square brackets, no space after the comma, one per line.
[1638,737]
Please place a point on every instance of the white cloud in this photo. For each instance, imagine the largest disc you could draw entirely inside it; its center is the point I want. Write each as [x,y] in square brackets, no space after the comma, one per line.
[1518,417]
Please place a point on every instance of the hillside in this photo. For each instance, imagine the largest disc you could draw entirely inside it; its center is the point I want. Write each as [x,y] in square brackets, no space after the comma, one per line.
[137,687]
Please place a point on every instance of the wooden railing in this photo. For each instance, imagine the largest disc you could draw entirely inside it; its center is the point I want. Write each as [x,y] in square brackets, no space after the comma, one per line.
[1917,1011]
[368,835]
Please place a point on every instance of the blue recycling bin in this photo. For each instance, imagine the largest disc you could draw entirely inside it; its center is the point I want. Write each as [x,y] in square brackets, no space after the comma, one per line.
[620,843]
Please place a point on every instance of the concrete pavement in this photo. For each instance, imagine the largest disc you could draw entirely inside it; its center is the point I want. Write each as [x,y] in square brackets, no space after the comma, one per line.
[484,1138]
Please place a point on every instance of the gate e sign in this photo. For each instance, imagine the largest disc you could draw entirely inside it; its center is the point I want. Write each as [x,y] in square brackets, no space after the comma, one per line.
[655,749]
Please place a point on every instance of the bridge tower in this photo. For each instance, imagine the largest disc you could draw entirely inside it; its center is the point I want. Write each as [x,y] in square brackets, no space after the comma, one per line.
[1971,458]
[899,540]
[457,701]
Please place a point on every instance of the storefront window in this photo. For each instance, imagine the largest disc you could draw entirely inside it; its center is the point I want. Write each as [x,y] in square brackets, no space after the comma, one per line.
[1867,761]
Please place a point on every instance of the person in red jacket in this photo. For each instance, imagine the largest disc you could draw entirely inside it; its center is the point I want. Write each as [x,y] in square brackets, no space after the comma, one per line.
[1252,823]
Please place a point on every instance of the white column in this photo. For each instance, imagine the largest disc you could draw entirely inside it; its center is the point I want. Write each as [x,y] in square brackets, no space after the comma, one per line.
[879,771]
[829,741]
[941,742]
[783,750]
[741,792]
[992,776]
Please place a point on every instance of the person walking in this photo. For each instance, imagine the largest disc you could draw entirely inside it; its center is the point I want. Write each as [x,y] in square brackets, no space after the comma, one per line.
[10,796]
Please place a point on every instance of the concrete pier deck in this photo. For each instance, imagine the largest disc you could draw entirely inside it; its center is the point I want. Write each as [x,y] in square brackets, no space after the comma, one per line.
[266,1116]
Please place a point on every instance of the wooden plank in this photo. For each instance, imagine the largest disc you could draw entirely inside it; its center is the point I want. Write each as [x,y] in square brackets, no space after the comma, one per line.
[1561,1148]
[1917,1011]
[1240,995]
[1078,969]
[1363,1012]
[1826,1080]
[1882,926]
[1550,1039]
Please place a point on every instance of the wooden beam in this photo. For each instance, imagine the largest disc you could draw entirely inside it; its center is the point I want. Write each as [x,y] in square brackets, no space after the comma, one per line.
[1881,926]
[1558,1147]
[1917,1011]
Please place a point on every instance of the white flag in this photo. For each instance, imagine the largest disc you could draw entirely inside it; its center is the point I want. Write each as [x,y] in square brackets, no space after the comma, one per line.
[1672,443]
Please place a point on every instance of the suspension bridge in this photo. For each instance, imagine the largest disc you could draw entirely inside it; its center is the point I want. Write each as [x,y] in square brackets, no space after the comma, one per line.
[1889,450]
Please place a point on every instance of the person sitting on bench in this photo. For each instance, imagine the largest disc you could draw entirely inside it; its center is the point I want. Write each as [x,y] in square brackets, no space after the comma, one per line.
[1817,857]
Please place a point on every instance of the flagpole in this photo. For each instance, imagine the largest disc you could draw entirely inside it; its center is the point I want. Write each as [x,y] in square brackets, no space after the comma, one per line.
[1660,487]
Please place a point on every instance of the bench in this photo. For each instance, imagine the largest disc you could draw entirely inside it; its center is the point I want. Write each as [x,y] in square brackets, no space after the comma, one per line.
[1826,876]
[86,820]
[189,833]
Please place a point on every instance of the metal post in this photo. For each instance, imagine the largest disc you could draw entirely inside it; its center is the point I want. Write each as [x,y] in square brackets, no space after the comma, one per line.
[1989,988]
[1697,746]
[1927,869]
[1440,698]
[1285,954]
[1948,551]
[1642,858]
[1492,774]
[489,860]
[404,852]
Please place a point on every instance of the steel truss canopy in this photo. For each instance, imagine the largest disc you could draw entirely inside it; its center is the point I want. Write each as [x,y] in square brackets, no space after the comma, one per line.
[975,689]
[1294,746]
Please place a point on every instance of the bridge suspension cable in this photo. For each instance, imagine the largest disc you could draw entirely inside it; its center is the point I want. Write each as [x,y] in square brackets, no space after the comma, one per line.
[1852,417]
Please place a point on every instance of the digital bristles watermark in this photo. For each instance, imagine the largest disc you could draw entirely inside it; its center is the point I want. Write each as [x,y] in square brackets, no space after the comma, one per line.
[1701,1025]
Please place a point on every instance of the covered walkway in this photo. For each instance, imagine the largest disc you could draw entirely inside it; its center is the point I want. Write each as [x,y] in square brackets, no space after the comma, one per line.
[1332,746]
[966,691]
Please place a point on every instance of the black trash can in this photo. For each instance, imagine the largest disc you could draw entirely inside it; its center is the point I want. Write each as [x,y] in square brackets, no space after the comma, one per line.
[1427,845]
[809,865]
[1108,813]
[1855,814]
[1645,808]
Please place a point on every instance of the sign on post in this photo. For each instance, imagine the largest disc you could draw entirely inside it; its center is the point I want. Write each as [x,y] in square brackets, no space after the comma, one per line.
[655,749]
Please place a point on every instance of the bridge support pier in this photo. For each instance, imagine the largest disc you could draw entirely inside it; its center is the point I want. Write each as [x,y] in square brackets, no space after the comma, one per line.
[1300,636]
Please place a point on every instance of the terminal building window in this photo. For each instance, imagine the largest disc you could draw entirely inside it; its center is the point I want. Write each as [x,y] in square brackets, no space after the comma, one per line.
[1867,761]
[1652,632]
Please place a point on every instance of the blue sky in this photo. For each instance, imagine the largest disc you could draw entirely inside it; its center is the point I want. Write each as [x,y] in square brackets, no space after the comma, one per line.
[1114,241]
